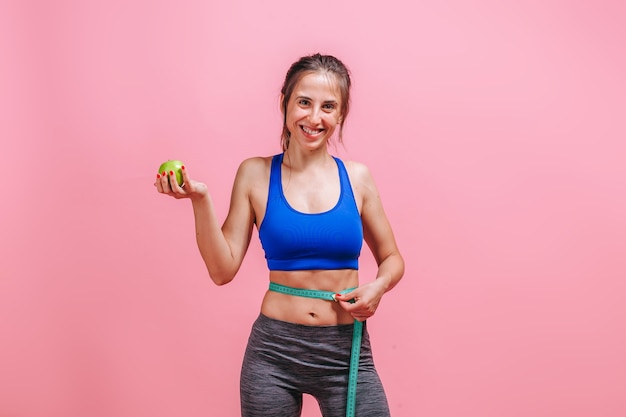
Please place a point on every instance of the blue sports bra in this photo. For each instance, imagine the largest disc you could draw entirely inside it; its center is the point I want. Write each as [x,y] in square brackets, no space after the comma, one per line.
[295,241]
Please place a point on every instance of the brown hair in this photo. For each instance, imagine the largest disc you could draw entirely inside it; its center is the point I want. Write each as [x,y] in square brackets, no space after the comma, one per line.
[311,64]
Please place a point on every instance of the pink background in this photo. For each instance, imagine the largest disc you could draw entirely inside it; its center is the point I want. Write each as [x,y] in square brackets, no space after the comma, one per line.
[494,129]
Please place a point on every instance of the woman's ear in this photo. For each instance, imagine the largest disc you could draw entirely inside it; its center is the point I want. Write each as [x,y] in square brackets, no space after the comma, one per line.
[282,100]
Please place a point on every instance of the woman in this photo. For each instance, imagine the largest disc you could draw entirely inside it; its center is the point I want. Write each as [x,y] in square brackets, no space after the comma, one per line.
[312,213]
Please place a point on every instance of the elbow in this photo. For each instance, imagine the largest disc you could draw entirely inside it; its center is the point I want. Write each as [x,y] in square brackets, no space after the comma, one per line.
[220,282]
[220,278]
[395,264]
[401,267]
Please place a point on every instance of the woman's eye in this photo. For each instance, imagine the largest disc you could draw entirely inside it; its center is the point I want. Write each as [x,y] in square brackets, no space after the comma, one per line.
[329,107]
[303,102]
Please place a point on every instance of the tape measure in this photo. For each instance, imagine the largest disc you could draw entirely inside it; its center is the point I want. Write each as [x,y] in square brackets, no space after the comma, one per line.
[357,333]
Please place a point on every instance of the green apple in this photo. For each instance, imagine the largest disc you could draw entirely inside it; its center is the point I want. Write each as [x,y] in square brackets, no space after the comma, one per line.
[173,165]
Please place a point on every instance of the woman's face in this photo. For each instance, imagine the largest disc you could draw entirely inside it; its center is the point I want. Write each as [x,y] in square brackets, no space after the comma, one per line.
[313,110]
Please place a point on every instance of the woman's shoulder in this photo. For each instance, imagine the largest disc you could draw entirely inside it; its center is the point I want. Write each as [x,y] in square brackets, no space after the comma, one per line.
[255,162]
[357,171]
[254,167]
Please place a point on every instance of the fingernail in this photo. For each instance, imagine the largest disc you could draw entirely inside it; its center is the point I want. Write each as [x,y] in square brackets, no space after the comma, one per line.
[337,295]
[158,176]
[182,167]
[163,173]
[171,172]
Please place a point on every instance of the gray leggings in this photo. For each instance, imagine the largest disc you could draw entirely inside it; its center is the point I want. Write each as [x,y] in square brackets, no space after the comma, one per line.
[284,360]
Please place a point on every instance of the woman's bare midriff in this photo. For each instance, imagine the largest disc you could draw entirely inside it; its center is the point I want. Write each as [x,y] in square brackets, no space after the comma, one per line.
[309,311]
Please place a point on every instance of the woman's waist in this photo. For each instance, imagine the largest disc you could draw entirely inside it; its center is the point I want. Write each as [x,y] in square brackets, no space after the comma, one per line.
[320,280]
[306,308]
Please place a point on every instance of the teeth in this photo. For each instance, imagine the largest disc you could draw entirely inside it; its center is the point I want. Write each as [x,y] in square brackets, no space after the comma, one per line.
[311,131]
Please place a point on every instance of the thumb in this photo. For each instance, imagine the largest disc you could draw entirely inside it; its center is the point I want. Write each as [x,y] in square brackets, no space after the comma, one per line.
[347,297]
[344,302]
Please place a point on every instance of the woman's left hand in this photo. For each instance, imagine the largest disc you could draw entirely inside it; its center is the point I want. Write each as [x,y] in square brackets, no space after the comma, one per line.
[366,299]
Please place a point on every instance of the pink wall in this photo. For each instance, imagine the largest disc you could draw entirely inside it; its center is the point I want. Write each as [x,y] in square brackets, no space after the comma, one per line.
[496,132]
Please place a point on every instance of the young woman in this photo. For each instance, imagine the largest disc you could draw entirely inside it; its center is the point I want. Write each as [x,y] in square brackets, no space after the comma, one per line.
[312,213]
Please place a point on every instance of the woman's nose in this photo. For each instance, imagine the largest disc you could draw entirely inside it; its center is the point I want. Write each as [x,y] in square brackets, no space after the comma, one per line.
[314,115]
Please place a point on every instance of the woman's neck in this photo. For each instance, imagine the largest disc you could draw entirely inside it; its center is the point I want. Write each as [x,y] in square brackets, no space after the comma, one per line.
[298,160]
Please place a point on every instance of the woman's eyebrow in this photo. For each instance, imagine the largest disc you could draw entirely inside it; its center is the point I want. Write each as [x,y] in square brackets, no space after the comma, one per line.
[309,98]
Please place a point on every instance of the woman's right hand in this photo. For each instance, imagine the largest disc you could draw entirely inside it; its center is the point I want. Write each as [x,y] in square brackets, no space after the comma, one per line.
[189,189]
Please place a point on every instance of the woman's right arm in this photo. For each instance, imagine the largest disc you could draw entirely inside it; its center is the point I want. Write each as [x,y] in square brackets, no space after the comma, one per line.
[222,248]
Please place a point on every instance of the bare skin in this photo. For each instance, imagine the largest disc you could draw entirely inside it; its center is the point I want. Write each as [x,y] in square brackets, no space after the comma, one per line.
[311,185]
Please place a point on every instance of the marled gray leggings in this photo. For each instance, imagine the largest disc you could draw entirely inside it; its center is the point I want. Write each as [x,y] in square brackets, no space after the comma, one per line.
[284,360]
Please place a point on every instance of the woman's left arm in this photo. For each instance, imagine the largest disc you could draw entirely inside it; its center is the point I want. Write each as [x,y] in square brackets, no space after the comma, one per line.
[380,239]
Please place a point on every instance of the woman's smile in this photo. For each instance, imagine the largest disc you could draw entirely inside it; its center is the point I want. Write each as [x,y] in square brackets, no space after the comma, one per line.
[311,131]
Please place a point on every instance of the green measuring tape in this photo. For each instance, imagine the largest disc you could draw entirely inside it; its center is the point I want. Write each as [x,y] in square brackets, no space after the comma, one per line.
[357,333]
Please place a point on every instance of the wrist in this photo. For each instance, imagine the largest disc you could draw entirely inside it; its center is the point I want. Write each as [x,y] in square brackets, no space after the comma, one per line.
[201,196]
[383,282]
